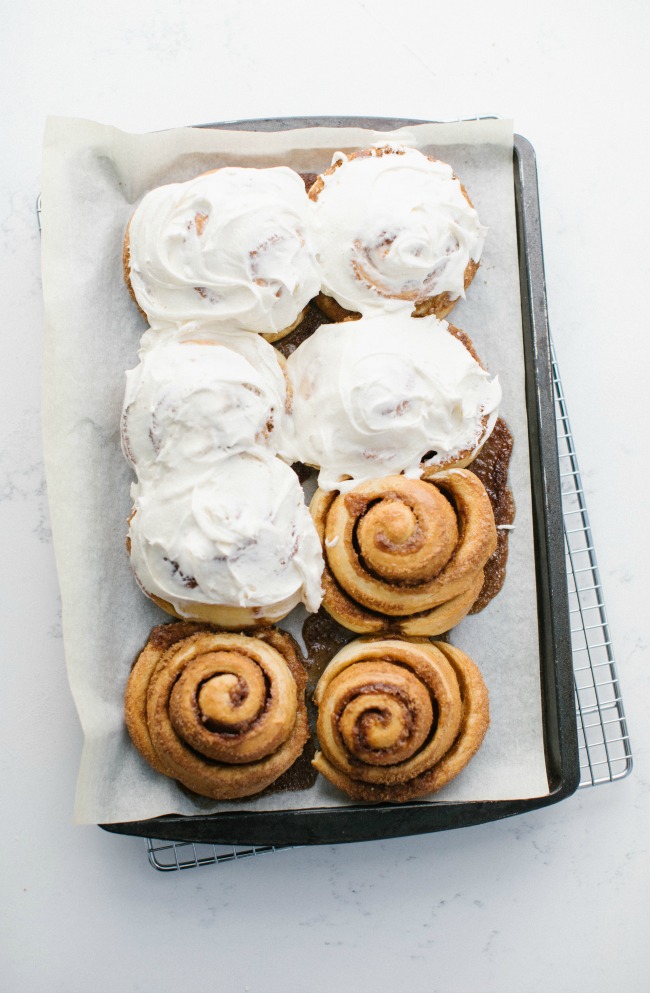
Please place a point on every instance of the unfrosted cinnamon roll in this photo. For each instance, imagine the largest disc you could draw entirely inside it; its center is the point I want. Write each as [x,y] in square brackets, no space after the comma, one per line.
[222,713]
[398,719]
[386,394]
[230,245]
[393,228]
[200,395]
[232,544]
[405,555]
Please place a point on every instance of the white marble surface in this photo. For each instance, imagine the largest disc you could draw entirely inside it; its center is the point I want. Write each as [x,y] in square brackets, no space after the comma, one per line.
[557,899]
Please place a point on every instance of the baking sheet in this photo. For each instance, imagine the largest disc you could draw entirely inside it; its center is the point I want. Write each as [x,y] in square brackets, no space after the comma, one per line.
[93,176]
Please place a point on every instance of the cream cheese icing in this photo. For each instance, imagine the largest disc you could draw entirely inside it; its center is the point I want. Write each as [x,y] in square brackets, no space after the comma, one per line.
[199,395]
[392,229]
[382,395]
[231,245]
[237,534]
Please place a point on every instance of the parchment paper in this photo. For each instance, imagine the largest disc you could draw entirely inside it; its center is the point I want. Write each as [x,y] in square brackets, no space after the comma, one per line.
[93,176]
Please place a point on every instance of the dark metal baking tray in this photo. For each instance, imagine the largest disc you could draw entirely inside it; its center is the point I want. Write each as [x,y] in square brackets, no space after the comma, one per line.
[362,823]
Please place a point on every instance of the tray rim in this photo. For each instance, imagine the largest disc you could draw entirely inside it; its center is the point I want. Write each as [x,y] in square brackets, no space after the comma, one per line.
[330,825]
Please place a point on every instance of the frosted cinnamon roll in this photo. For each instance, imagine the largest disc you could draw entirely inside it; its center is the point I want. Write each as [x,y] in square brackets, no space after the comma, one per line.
[230,245]
[223,714]
[233,545]
[383,395]
[393,229]
[405,555]
[397,720]
[201,396]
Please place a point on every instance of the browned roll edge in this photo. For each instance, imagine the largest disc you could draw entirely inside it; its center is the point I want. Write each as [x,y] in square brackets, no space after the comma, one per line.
[474,725]
[361,619]
[163,640]
[439,305]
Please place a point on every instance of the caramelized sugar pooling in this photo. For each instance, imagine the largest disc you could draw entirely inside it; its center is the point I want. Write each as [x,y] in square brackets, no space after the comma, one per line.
[300,776]
[323,638]
[491,467]
[311,322]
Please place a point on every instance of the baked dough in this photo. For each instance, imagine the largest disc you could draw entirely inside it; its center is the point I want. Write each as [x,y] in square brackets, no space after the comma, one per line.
[398,719]
[393,228]
[222,713]
[405,555]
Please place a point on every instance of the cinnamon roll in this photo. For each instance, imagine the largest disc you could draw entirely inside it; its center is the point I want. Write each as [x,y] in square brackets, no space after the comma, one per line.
[405,555]
[383,395]
[223,714]
[398,719]
[198,395]
[393,228]
[230,245]
[232,544]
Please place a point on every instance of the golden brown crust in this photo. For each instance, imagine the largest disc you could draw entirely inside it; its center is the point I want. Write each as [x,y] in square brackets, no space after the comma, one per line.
[405,555]
[274,336]
[161,639]
[442,304]
[222,713]
[126,268]
[332,309]
[439,305]
[465,340]
[229,618]
[398,719]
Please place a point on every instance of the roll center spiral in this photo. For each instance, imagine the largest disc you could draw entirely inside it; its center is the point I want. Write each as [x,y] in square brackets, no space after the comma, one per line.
[384,717]
[222,697]
[228,687]
[408,535]
[389,524]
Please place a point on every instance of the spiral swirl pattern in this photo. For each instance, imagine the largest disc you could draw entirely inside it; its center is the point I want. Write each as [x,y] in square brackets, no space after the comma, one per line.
[385,395]
[405,554]
[222,713]
[398,719]
[196,401]
[231,245]
[393,229]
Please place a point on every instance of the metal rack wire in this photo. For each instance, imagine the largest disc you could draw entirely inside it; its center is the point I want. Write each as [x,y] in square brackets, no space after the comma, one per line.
[605,753]
[169,856]
[604,744]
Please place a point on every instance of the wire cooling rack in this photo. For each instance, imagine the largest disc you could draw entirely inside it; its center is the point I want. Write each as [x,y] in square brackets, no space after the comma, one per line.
[605,753]
[604,744]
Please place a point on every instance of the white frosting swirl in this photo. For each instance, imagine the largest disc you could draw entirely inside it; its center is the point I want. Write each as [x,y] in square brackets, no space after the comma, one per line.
[199,395]
[238,534]
[230,245]
[376,396]
[392,229]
